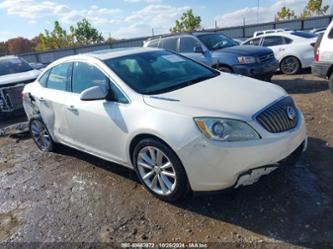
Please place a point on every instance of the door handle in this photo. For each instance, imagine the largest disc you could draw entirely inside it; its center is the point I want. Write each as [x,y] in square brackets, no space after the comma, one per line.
[41,99]
[72,108]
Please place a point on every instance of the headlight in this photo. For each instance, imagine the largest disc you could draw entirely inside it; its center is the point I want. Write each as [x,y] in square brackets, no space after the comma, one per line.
[247,60]
[226,129]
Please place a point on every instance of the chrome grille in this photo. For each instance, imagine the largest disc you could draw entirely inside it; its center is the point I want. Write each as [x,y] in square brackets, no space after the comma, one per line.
[278,117]
[266,57]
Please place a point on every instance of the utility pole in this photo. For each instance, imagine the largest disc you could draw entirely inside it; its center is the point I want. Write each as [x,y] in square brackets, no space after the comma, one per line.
[152,32]
[258,12]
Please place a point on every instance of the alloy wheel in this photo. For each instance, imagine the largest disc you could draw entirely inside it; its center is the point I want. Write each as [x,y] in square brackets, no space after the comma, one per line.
[156,170]
[290,65]
[40,134]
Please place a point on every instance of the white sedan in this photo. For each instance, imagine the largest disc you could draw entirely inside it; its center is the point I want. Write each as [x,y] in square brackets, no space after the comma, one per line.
[180,125]
[293,49]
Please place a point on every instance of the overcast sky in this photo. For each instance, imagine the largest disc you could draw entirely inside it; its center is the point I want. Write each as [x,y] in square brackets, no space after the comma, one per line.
[131,18]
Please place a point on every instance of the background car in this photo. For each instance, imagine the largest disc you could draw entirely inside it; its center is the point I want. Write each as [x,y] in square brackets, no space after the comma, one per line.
[293,49]
[15,73]
[318,31]
[269,31]
[179,124]
[221,52]
[323,65]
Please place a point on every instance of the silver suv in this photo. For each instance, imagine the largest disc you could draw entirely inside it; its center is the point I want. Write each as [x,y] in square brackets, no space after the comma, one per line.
[221,52]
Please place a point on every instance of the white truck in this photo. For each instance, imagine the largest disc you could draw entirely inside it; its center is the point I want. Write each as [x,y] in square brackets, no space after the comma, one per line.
[323,65]
[15,73]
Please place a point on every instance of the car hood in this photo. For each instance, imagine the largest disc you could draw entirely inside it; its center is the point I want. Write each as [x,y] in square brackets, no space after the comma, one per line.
[246,50]
[227,95]
[15,78]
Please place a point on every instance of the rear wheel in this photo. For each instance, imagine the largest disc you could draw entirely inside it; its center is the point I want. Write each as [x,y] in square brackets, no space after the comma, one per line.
[160,170]
[41,135]
[290,65]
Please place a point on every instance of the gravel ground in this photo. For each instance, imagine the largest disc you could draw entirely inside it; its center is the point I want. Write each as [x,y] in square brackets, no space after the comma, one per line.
[73,197]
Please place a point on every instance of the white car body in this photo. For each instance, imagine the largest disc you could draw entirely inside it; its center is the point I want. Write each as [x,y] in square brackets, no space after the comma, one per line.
[301,48]
[106,129]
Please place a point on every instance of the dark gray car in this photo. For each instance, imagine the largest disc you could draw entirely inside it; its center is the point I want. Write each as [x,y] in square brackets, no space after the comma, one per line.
[221,52]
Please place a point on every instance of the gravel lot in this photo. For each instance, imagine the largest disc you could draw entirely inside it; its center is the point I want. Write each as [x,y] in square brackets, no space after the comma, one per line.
[73,197]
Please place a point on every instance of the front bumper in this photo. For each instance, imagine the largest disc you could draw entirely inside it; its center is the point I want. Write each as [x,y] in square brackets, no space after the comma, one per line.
[259,71]
[320,69]
[212,165]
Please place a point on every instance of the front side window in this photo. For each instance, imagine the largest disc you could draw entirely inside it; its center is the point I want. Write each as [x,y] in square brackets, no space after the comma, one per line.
[159,71]
[271,41]
[58,77]
[216,41]
[169,43]
[253,42]
[13,65]
[43,79]
[86,76]
[188,44]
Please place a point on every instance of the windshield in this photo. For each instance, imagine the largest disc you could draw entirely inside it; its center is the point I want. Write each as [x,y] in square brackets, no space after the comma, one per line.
[159,71]
[13,65]
[304,34]
[217,41]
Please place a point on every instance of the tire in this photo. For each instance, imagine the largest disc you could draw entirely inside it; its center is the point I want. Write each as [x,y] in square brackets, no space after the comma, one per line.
[330,83]
[290,65]
[41,135]
[167,179]
[224,69]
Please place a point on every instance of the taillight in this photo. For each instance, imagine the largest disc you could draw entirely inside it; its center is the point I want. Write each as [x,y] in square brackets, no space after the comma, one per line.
[317,55]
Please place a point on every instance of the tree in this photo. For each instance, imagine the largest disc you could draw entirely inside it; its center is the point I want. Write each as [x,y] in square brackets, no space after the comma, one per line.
[314,8]
[85,34]
[3,48]
[82,34]
[20,45]
[187,23]
[286,14]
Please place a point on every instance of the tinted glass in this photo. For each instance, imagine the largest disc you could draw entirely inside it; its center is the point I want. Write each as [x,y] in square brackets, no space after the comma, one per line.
[187,44]
[253,42]
[158,71]
[287,40]
[86,76]
[304,34]
[216,41]
[13,65]
[270,41]
[169,43]
[58,77]
[118,95]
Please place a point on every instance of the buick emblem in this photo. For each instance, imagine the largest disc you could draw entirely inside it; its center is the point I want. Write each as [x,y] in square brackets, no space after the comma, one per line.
[291,112]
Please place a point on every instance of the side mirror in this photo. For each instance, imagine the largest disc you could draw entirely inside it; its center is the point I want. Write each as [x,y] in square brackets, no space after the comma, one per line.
[198,49]
[94,93]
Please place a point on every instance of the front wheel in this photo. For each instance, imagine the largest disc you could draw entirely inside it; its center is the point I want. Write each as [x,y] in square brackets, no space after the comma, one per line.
[290,65]
[160,170]
[41,135]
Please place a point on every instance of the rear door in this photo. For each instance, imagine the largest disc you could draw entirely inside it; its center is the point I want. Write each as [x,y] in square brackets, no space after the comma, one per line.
[187,46]
[51,101]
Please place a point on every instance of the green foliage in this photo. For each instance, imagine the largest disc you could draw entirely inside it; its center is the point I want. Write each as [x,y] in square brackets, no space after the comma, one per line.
[314,8]
[286,14]
[187,23]
[82,34]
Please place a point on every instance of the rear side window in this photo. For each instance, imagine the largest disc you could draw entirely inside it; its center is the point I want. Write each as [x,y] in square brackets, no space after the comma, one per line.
[86,76]
[187,44]
[330,34]
[58,77]
[169,43]
[271,41]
